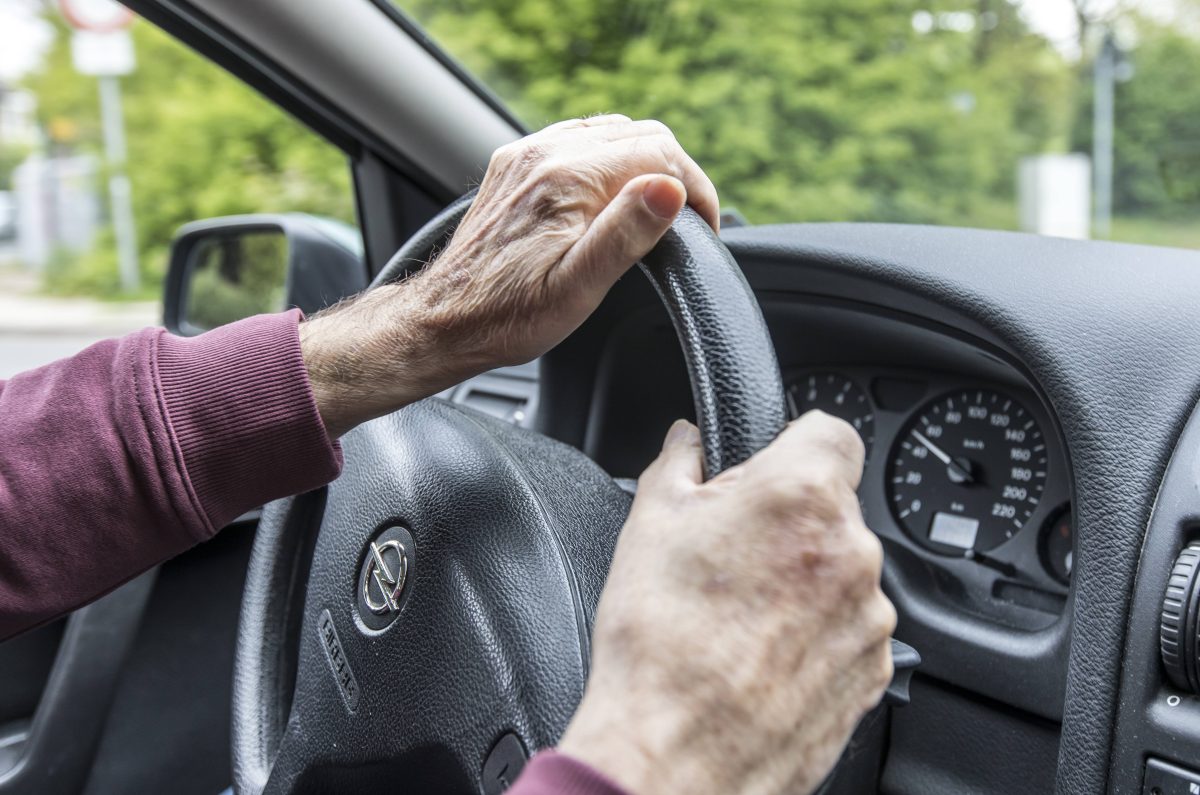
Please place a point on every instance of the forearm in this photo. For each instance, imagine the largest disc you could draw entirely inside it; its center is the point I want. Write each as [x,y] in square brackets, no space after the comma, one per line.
[137,448]
[380,351]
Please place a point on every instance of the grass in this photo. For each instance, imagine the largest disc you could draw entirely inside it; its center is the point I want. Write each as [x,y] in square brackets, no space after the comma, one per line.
[1177,232]
[94,274]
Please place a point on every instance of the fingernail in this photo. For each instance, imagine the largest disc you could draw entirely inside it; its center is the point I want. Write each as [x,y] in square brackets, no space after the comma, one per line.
[664,196]
[682,432]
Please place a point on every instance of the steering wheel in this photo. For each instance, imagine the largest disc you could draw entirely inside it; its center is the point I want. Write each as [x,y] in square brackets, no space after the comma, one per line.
[424,621]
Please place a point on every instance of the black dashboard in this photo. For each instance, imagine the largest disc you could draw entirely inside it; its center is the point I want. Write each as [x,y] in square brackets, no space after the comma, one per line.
[965,476]
[961,481]
[992,597]
[1021,398]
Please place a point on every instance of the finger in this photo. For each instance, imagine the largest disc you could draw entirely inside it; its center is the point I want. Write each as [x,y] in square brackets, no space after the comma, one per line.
[601,120]
[625,158]
[680,460]
[655,149]
[879,668]
[622,233]
[621,127]
[815,441]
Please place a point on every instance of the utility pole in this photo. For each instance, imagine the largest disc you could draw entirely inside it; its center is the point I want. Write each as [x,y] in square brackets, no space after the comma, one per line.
[1104,78]
[119,194]
[101,46]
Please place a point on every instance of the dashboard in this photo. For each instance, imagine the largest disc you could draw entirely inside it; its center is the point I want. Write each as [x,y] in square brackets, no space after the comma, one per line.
[1037,397]
[1032,589]
[967,481]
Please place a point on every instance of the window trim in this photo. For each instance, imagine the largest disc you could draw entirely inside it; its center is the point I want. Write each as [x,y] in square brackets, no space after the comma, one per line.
[451,64]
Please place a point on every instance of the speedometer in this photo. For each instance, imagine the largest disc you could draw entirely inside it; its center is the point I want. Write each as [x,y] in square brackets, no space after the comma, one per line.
[837,395]
[967,472]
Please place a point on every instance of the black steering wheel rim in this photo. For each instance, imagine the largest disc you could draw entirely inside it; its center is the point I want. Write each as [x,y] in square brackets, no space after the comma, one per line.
[736,384]
[740,408]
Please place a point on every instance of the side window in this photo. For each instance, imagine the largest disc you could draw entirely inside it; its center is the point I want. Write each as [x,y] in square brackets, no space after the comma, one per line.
[1071,118]
[199,143]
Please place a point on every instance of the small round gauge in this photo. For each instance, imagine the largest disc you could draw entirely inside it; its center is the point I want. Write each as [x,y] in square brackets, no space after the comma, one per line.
[1056,547]
[967,472]
[836,395]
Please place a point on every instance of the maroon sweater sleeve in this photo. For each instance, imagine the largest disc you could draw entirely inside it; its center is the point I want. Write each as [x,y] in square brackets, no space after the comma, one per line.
[137,448]
[551,773]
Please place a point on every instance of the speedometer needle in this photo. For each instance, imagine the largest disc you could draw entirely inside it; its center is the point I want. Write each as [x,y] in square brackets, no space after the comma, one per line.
[933,448]
[958,472]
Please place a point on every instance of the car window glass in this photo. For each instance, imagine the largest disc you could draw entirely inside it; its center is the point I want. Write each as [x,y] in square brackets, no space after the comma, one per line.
[199,144]
[916,111]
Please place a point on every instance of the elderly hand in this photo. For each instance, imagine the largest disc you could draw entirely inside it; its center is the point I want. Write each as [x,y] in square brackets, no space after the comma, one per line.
[742,633]
[559,217]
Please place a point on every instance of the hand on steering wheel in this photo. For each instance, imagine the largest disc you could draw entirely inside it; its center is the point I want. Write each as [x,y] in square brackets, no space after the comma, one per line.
[742,633]
[559,217]
[750,600]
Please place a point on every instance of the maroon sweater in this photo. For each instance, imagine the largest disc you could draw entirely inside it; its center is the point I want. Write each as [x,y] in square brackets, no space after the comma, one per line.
[137,448]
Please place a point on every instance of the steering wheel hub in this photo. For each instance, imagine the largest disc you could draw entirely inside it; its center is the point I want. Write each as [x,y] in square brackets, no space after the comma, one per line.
[383,577]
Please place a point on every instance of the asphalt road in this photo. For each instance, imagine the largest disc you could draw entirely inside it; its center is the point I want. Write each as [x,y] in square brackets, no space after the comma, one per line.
[19,352]
[36,328]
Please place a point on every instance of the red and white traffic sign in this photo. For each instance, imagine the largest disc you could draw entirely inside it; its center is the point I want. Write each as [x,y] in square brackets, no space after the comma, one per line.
[101,44]
[96,16]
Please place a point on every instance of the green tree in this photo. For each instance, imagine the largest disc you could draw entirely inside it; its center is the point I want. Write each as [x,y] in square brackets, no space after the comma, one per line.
[799,109]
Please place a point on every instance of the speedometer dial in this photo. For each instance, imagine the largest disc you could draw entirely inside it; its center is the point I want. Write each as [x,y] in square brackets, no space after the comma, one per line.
[837,395]
[967,472]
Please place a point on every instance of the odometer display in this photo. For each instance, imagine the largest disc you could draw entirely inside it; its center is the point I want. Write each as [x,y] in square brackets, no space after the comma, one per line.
[968,472]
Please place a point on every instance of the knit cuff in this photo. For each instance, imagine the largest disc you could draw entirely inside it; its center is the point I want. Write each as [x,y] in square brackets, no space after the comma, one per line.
[552,773]
[243,421]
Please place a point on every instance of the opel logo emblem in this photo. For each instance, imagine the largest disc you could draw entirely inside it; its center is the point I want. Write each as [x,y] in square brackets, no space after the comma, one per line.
[387,569]
[384,577]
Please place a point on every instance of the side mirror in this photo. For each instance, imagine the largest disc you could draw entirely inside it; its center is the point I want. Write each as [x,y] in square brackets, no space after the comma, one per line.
[227,269]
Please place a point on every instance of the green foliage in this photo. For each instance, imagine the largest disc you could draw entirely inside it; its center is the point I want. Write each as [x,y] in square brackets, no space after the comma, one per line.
[1171,228]
[10,158]
[799,109]
[201,144]
[94,272]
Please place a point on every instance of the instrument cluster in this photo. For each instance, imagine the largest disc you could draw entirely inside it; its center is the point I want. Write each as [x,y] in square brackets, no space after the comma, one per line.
[964,477]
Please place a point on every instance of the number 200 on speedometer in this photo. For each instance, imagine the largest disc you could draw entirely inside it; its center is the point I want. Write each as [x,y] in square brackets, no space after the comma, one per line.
[967,472]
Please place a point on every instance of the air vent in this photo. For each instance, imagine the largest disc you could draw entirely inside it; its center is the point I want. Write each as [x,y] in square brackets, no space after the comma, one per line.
[510,395]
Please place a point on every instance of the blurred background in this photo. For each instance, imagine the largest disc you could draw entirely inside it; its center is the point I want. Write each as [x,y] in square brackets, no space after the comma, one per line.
[1078,118]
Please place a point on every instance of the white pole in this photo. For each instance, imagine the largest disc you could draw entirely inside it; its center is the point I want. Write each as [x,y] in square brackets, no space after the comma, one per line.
[120,195]
[1102,136]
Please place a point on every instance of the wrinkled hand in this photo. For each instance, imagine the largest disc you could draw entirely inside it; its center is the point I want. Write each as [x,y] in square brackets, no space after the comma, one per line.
[560,215]
[742,633]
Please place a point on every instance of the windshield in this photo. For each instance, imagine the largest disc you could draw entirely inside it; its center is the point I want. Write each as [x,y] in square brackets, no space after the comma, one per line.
[1077,118]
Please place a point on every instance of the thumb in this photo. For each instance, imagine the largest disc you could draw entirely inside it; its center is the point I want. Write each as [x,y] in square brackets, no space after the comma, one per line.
[625,230]
[681,459]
